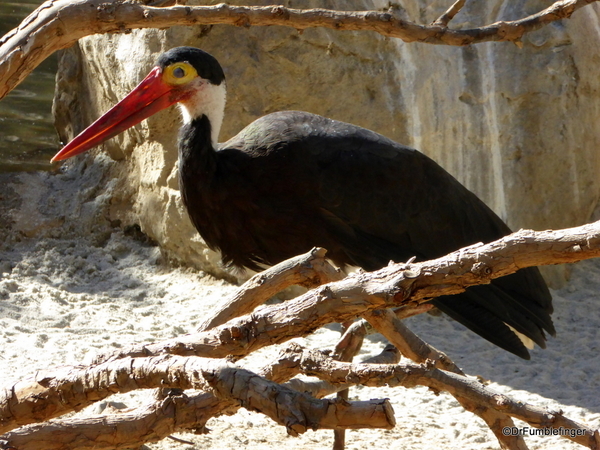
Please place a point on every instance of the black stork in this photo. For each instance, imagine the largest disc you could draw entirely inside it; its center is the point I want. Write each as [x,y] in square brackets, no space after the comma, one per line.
[292,180]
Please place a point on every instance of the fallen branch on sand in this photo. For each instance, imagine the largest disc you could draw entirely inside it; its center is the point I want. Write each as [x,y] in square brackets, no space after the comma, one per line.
[193,361]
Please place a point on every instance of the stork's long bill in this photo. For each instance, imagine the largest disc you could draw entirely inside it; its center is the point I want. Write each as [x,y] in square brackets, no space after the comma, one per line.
[153,94]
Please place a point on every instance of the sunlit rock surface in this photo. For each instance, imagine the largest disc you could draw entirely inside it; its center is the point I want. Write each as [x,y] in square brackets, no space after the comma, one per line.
[515,125]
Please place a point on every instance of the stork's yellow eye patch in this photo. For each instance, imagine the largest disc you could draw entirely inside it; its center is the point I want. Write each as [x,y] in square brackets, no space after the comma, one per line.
[179,73]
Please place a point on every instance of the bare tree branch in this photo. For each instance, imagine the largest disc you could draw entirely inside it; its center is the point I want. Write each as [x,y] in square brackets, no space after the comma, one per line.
[236,386]
[395,285]
[467,390]
[299,411]
[445,18]
[309,270]
[409,344]
[46,396]
[50,394]
[57,24]
[321,388]
[54,393]
[149,423]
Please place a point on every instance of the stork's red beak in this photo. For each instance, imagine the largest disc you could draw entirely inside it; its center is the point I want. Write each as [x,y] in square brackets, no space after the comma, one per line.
[149,97]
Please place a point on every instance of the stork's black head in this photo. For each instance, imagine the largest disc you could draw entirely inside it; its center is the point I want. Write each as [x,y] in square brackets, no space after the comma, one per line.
[205,64]
[186,75]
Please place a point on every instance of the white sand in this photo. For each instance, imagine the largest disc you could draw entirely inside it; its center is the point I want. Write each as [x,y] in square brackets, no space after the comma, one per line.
[76,288]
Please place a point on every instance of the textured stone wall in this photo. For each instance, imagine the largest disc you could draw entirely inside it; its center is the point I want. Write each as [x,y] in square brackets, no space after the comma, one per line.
[515,125]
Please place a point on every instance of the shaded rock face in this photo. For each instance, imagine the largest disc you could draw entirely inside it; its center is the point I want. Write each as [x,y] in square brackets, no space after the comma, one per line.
[515,125]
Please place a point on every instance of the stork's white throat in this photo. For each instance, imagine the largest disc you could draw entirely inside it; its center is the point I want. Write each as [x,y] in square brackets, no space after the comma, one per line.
[208,99]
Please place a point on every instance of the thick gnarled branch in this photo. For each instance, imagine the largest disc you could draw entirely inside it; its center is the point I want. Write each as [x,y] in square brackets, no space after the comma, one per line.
[151,422]
[54,393]
[299,412]
[392,286]
[48,395]
[58,24]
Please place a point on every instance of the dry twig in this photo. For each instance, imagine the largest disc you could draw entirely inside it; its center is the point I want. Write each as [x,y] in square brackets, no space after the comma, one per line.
[469,392]
[445,18]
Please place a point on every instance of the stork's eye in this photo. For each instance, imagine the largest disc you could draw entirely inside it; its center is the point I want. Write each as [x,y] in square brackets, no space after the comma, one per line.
[179,73]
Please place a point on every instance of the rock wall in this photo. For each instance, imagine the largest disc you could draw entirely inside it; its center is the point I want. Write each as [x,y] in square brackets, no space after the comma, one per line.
[515,125]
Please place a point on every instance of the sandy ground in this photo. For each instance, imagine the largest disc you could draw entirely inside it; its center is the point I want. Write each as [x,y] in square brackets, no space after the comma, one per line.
[71,288]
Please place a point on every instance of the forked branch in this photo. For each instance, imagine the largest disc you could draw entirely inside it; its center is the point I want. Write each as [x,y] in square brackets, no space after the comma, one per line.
[393,286]
[235,386]
[57,24]
[57,392]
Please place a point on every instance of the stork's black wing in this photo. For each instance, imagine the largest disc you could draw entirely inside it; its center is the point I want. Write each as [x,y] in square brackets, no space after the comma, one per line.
[368,200]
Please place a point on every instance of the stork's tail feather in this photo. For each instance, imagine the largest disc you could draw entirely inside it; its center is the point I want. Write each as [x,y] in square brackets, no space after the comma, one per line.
[500,314]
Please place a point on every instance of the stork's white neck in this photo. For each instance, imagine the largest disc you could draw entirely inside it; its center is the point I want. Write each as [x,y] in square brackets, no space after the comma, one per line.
[209,100]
